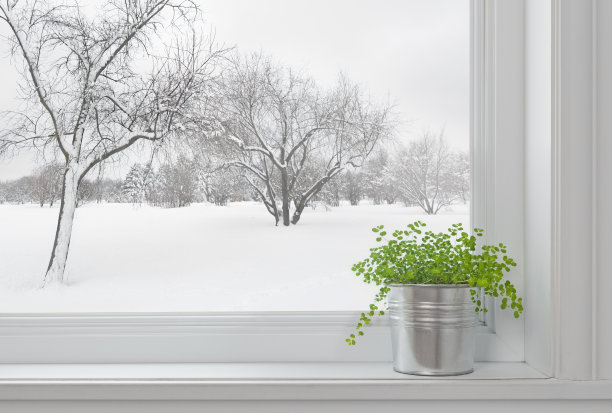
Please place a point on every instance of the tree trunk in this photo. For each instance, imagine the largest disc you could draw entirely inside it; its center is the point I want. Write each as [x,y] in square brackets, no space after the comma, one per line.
[429,207]
[304,199]
[63,233]
[286,201]
[297,214]
[299,208]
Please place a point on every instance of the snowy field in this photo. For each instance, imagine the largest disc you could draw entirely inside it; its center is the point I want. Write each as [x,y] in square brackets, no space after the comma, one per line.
[200,258]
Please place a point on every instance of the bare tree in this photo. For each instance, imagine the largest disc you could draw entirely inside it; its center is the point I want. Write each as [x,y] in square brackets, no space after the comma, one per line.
[134,186]
[106,189]
[88,100]
[330,194]
[18,191]
[377,184]
[353,186]
[178,183]
[219,182]
[425,174]
[3,192]
[461,175]
[86,192]
[223,185]
[291,137]
[47,183]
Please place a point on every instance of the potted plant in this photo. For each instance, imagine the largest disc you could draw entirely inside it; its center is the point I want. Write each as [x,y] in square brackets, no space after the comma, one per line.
[430,281]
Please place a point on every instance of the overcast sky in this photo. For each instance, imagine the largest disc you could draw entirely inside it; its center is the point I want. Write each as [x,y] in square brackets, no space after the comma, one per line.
[415,53]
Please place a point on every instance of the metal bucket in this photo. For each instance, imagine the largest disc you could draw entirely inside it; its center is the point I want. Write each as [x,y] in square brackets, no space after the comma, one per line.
[432,329]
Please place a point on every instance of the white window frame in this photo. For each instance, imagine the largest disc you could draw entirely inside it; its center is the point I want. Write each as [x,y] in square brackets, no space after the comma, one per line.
[563,318]
[319,336]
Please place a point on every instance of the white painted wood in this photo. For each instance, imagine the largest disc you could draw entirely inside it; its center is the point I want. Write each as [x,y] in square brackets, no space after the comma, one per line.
[481,78]
[569,62]
[277,387]
[603,200]
[304,389]
[498,144]
[537,184]
[182,338]
[246,372]
[301,406]
[573,221]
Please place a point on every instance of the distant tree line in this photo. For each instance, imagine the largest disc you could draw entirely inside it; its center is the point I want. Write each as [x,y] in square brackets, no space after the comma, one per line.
[172,185]
[44,187]
[426,173]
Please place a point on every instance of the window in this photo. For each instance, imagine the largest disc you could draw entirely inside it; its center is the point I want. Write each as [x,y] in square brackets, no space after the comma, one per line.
[495,94]
[295,141]
[531,73]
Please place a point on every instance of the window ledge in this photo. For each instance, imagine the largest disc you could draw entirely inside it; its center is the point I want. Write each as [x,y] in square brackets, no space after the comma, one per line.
[281,381]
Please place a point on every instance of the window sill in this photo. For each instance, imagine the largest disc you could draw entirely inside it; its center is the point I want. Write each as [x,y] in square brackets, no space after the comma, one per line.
[281,381]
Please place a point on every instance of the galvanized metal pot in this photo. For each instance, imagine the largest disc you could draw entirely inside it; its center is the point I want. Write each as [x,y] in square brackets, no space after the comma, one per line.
[432,329]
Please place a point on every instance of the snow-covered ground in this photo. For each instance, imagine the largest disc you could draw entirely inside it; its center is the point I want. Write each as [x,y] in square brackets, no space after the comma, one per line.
[200,258]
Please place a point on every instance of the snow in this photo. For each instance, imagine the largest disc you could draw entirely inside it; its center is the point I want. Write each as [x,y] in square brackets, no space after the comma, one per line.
[125,258]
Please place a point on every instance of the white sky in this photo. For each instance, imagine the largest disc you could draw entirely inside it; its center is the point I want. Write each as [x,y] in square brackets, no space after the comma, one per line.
[413,52]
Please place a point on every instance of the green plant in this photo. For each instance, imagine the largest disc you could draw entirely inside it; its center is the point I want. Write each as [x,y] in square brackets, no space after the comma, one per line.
[415,256]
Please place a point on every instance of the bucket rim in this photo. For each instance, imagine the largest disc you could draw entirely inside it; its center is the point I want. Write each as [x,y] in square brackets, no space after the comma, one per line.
[431,285]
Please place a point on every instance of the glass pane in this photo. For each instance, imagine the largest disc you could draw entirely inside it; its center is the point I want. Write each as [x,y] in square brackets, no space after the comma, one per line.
[306,123]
